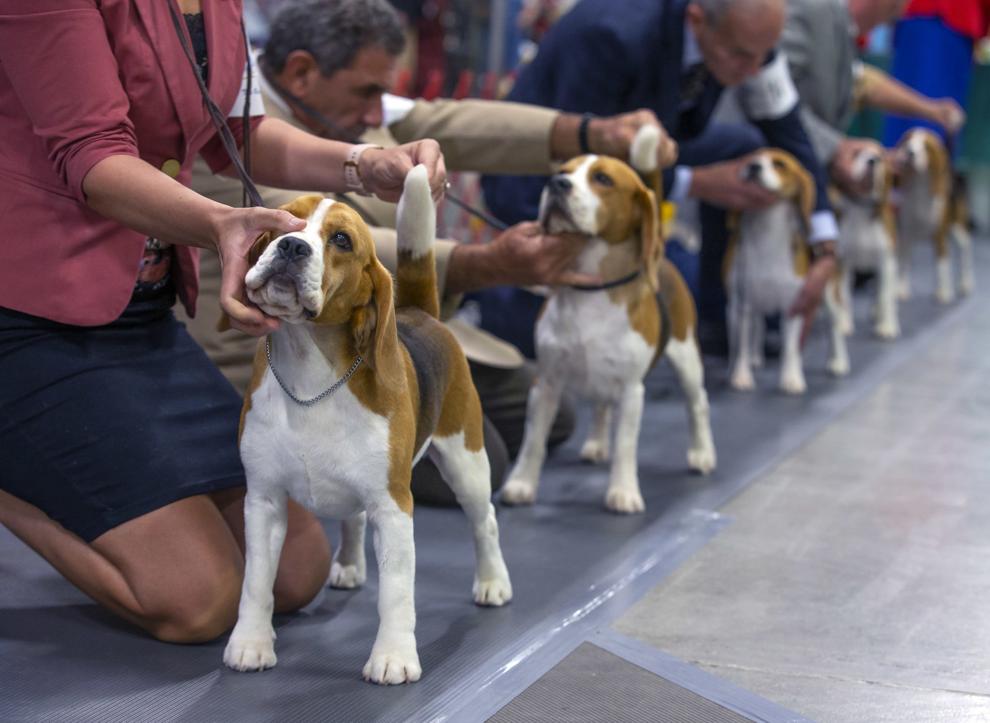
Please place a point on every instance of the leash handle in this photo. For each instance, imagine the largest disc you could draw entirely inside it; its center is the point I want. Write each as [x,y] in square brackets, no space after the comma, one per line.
[217,116]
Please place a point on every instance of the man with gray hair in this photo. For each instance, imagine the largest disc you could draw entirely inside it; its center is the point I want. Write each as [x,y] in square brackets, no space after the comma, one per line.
[819,43]
[676,57]
[326,67]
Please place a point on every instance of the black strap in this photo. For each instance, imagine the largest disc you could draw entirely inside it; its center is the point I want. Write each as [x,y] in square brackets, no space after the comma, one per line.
[217,116]
[608,284]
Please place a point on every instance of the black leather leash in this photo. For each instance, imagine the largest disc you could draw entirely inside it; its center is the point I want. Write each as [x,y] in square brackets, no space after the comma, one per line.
[217,116]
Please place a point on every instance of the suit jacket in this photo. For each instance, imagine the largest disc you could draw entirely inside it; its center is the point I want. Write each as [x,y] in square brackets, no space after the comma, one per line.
[81,80]
[818,41]
[613,56]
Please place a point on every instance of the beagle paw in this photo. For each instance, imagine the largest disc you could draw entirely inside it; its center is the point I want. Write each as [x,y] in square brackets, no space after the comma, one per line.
[742,381]
[346,577]
[793,384]
[701,459]
[594,450]
[393,664]
[245,653]
[945,295]
[887,330]
[494,592]
[518,492]
[903,291]
[838,366]
[625,501]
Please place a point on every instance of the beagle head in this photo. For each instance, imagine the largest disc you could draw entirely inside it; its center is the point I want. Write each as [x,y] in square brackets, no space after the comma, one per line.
[782,174]
[872,174]
[921,152]
[603,198]
[327,273]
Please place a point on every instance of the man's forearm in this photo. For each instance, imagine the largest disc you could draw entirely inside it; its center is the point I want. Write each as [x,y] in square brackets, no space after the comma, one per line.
[884,93]
[472,267]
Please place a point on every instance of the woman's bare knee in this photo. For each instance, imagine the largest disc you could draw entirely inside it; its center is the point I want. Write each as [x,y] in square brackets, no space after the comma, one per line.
[201,611]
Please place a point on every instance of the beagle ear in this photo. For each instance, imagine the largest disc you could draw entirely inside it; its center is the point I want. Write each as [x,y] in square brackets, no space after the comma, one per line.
[258,247]
[651,237]
[806,196]
[374,330]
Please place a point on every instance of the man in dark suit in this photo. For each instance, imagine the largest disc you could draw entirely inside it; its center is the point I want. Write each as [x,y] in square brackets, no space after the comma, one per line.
[674,57]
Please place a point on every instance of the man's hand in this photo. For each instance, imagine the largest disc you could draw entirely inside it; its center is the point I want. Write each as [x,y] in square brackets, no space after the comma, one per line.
[948,114]
[613,136]
[383,170]
[722,184]
[809,298]
[841,166]
[522,255]
[236,229]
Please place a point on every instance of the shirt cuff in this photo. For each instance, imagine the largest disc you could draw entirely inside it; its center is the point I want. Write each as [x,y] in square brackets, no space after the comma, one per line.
[824,227]
[681,185]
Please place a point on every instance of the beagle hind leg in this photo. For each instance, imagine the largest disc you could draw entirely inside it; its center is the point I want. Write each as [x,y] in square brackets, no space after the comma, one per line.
[349,569]
[468,475]
[964,241]
[541,408]
[596,446]
[252,643]
[685,358]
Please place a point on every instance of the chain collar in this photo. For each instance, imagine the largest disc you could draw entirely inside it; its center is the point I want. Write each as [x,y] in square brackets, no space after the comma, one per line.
[322,395]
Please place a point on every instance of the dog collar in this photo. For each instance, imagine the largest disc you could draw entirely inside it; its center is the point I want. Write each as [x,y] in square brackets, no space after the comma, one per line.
[322,395]
[608,284]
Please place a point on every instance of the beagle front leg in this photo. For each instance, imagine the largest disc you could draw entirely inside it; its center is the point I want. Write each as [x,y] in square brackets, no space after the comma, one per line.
[741,317]
[349,569]
[792,368]
[252,642]
[596,446]
[887,324]
[623,493]
[838,314]
[394,658]
[541,408]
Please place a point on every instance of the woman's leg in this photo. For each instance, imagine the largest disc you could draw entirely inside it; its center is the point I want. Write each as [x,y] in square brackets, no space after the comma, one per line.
[175,572]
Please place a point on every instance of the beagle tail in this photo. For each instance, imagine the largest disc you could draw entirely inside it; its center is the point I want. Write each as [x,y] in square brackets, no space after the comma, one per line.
[416,272]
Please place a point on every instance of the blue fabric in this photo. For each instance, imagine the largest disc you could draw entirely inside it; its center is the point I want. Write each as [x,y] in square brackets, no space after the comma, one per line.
[933,59]
[101,425]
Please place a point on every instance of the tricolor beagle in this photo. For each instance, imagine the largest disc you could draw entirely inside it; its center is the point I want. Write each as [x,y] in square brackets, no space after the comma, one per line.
[345,397]
[927,212]
[765,267]
[601,342]
[868,233]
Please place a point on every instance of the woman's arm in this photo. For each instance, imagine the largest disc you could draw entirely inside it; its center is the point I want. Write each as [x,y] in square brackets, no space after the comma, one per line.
[135,194]
[287,157]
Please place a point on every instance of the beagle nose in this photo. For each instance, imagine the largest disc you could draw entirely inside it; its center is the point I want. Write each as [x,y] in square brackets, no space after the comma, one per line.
[292,248]
[753,171]
[560,183]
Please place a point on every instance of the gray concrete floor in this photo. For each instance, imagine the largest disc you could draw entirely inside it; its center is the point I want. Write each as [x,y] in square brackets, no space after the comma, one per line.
[852,582]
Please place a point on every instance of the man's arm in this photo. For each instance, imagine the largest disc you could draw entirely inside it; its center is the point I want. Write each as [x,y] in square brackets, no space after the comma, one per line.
[885,93]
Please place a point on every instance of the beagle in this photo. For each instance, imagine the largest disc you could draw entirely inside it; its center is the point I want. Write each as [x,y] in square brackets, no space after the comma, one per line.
[765,266]
[868,235]
[927,212]
[345,397]
[601,341]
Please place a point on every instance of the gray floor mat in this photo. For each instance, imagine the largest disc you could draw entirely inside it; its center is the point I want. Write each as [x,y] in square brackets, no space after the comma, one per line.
[62,658]
[592,685]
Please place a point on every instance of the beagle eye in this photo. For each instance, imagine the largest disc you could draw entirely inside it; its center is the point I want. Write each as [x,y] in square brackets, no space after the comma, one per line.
[603,179]
[342,241]
[778,164]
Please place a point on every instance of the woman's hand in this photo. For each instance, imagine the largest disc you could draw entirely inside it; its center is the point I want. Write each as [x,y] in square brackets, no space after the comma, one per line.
[235,231]
[383,170]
